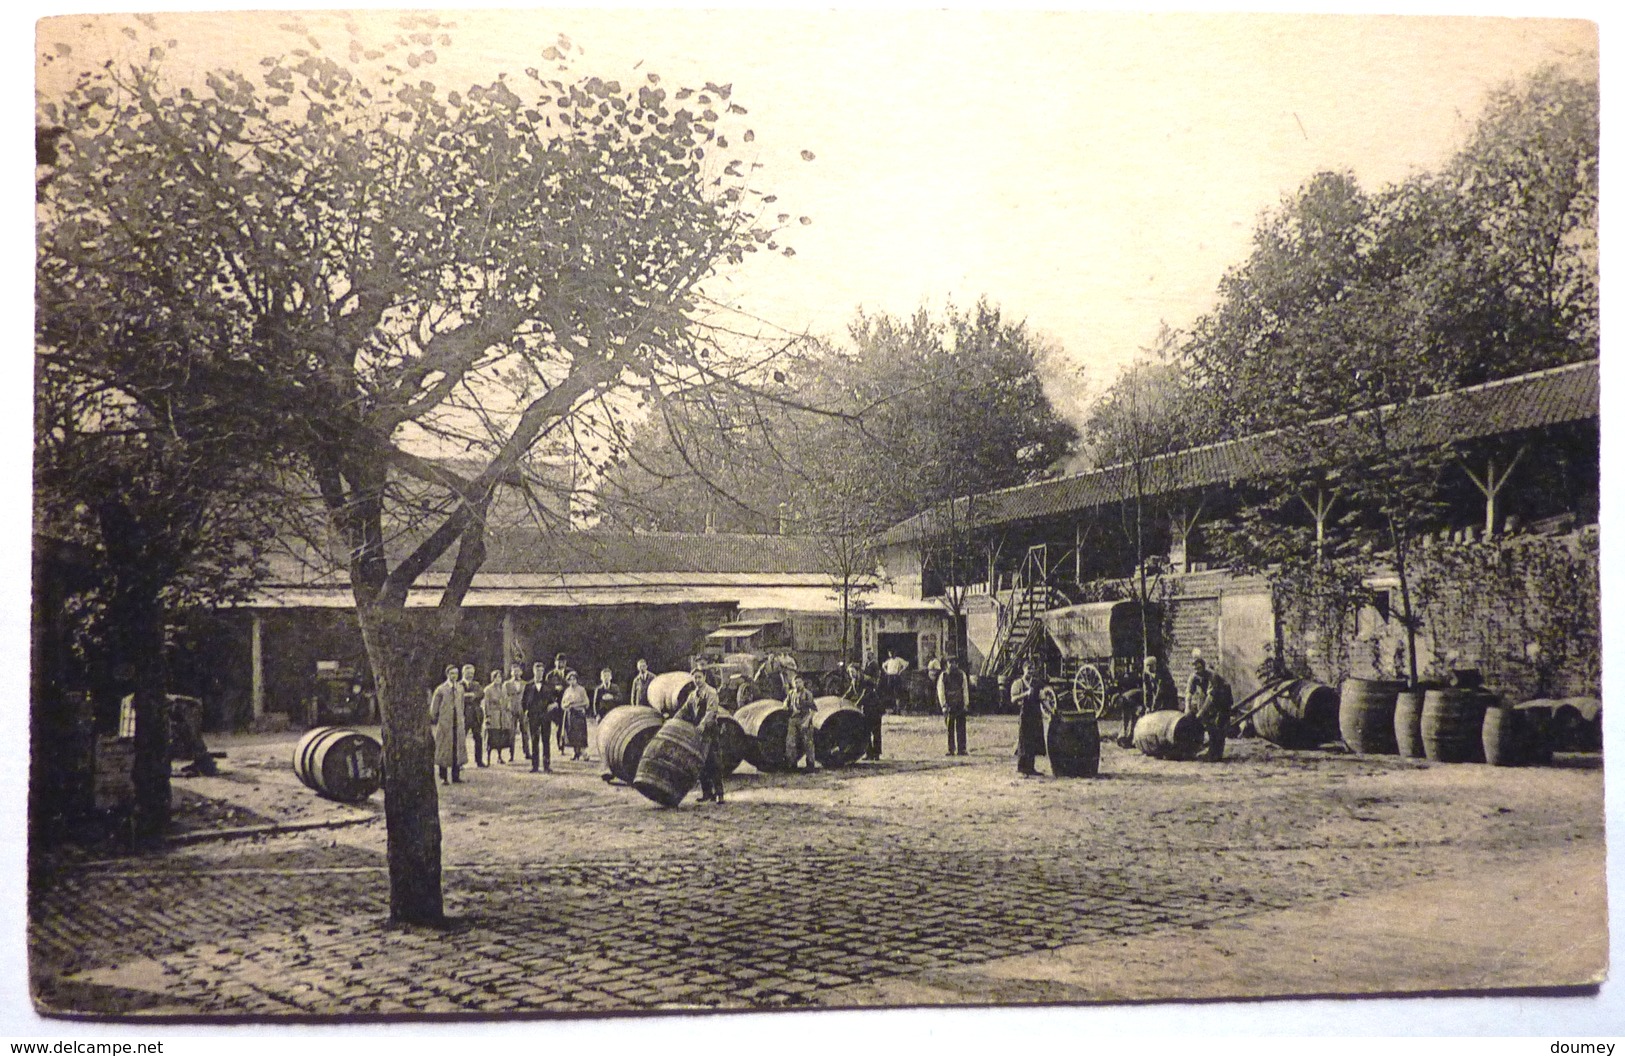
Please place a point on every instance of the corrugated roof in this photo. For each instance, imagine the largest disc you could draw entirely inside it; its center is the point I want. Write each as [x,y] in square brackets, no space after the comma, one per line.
[1529,401]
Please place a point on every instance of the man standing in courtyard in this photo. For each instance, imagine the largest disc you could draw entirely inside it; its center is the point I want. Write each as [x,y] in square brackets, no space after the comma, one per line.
[799,736]
[1027,693]
[446,720]
[538,721]
[474,710]
[554,685]
[891,678]
[953,696]
[640,684]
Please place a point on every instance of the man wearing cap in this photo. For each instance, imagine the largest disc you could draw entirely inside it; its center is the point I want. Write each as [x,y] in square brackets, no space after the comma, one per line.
[953,696]
[1209,699]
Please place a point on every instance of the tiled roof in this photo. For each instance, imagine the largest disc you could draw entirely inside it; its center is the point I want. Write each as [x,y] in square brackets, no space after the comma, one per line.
[650,553]
[1529,401]
[526,550]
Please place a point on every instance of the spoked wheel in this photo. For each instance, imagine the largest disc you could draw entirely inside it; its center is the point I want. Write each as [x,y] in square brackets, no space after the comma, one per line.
[1089,690]
[837,683]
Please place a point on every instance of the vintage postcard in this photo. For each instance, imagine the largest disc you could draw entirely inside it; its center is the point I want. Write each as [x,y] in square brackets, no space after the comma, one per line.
[566,513]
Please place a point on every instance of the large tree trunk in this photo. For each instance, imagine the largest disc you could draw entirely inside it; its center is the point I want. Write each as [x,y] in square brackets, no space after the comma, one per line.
[404,669]
[141,633]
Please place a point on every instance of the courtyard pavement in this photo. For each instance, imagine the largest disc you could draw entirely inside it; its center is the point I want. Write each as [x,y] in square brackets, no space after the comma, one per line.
[918,880]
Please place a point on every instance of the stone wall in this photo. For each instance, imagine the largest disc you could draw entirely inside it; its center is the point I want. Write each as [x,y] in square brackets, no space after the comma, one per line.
[1522,609]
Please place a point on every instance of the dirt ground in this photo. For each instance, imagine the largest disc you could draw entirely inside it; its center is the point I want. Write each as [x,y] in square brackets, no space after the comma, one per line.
[931,880]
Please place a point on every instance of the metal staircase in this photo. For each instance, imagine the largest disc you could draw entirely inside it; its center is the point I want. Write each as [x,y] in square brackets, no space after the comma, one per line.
[1021,629]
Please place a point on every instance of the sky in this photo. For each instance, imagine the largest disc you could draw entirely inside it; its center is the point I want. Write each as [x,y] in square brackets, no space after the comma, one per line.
[1093,174]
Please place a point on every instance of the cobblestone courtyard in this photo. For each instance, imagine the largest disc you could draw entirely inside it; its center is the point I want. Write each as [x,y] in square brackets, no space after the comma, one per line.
[839,888]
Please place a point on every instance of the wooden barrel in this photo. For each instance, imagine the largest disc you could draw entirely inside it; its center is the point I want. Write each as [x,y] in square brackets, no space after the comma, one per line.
[1408,722]
[339,763]
[1510,736]
[1305,716]
[669,691]
[1365,715]
[1453,725]
[765,722]
[670,765]
[1073,743]
[732,744]
[840,732]
[1168,735]
[624,734]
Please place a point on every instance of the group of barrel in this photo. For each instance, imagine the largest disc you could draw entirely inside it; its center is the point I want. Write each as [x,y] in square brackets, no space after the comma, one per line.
[661,757]
[1458,723]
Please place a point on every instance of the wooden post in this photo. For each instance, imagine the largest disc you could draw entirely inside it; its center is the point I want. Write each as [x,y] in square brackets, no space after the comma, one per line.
[510,650]
[1490,486]
[256,648]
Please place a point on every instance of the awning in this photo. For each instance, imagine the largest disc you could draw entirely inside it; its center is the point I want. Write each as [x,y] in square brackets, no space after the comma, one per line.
[732,631]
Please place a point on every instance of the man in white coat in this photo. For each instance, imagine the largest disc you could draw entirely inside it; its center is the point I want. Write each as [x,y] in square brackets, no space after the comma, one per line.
[446,716]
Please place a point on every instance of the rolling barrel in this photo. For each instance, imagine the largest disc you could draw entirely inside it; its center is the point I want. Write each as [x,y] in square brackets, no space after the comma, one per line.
[1073,743]
[1168,735]
[1365,715]
[840,732]
[1408,723]
[339,763]
[623,735]
[1453,725]
[670,765]
[766,723]
[732,744]
[1305,716]
[1511,736]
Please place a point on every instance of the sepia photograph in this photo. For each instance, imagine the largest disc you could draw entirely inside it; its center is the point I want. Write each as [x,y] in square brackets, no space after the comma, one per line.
[551,514]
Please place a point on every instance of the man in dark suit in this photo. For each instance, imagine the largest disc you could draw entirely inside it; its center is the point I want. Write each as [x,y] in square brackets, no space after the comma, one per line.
[538,721]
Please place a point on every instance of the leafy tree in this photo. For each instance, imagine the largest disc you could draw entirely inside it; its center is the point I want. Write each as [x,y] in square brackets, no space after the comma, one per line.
[1487,269]
[151,487]
[395,272]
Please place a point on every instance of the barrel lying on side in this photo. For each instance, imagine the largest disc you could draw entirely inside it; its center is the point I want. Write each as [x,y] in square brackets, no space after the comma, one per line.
[670,765]
[1305,716]
[840,732]
[1168,735]
[732,744]
[1365,715]
[339,763]
[623,735]
[1073,744]
[669,691]
[765,723]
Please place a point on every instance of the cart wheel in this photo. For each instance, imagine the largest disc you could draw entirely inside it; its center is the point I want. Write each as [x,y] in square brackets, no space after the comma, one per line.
[1089,690]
